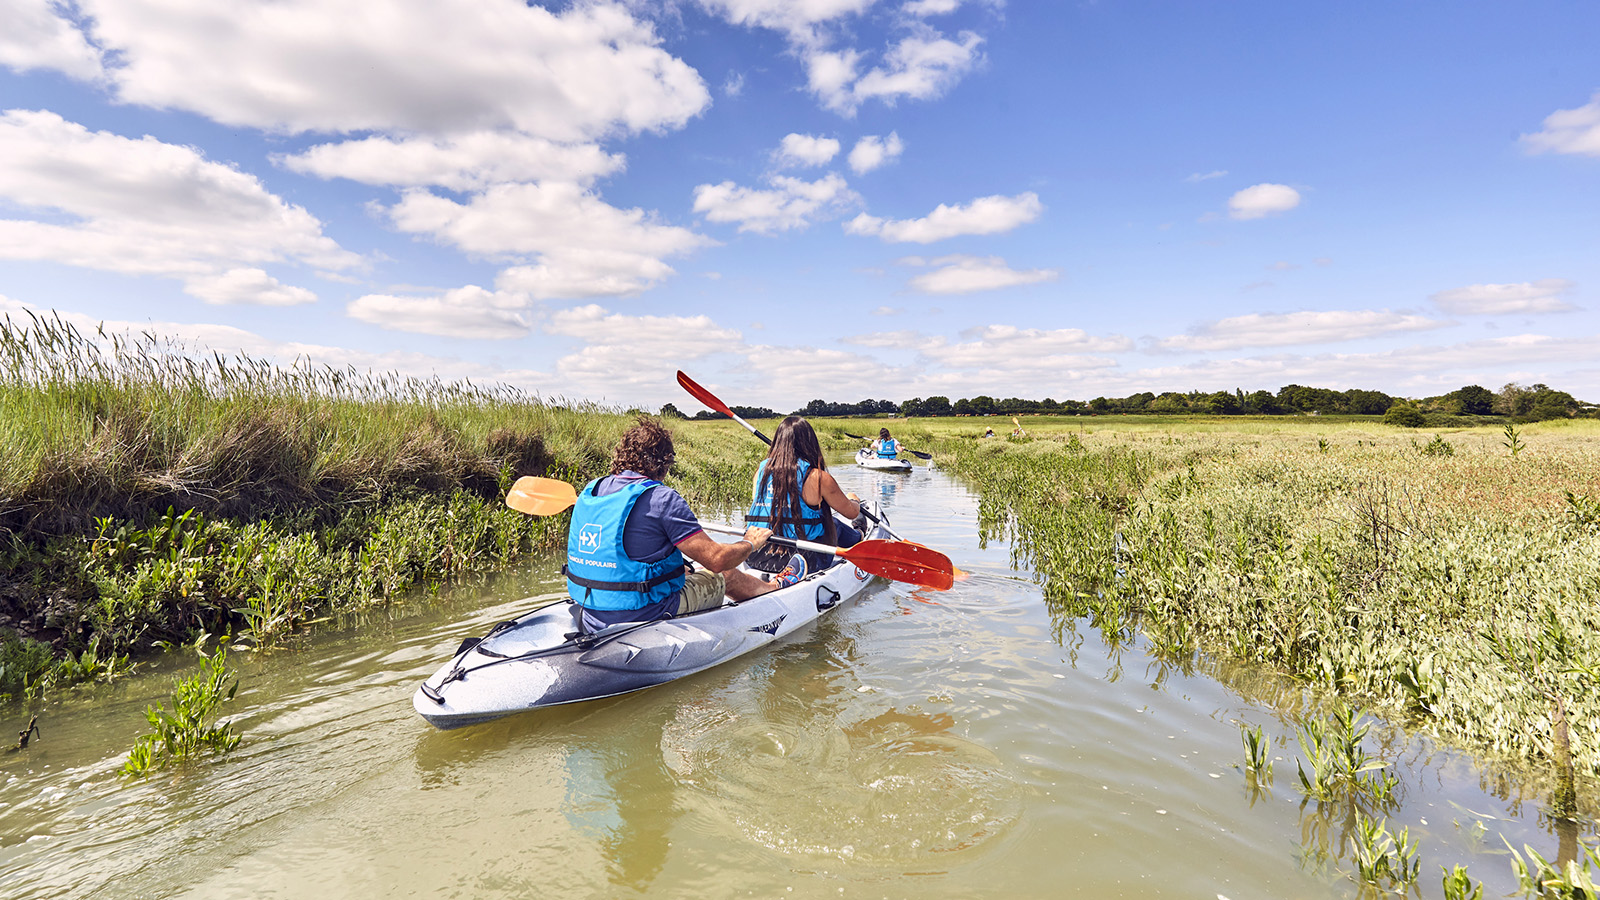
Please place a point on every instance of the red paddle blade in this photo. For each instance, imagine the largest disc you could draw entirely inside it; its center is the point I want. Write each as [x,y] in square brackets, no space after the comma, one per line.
[902,561]
[704,396]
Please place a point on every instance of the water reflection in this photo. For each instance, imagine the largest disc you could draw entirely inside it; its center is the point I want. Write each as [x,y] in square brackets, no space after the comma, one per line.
[812,767]
[619,793]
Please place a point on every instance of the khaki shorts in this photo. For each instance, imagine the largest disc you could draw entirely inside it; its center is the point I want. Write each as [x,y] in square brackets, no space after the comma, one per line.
[702,590]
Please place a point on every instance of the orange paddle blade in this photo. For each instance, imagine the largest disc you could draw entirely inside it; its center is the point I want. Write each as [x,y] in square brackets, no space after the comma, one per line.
[541,496]
[902,561]
[704,396]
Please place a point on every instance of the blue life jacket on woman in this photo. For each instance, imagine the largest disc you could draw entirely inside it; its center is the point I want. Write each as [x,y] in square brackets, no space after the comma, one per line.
[761,509]
[888,448]
[600,574]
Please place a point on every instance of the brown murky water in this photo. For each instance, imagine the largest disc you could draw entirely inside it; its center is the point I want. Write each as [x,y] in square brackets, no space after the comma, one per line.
[913,745]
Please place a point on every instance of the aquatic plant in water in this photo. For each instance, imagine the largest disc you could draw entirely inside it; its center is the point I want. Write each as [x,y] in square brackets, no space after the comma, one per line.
[1256,765]
[1543,880]
[1383,858]
[1457,886]
[188,730]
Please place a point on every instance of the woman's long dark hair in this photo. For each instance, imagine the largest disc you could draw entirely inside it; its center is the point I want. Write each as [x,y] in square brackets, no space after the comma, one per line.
[794,441]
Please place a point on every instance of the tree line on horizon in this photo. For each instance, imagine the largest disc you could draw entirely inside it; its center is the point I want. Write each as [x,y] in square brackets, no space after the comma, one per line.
[1526,403]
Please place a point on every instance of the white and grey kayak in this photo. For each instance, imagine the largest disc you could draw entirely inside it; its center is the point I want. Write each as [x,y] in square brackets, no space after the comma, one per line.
[540,659]
[866,459]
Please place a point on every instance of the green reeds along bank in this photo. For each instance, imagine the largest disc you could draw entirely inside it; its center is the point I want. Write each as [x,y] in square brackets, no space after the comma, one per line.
[150,494]
[1455,591]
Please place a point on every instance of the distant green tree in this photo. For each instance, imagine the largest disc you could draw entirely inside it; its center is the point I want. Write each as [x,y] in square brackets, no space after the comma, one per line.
[1365,403]
[1170,402]
[1263,403]
[671,412]
[1404,415]
[1223,403]
[1474,400]
[1551,404]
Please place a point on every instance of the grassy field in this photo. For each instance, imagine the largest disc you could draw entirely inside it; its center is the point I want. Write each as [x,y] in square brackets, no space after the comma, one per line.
[1449,577]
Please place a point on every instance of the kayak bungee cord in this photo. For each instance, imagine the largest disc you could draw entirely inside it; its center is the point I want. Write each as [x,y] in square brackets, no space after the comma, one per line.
[589,641]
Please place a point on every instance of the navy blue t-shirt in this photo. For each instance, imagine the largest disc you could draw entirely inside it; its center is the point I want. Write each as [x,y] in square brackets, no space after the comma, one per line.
[660,520]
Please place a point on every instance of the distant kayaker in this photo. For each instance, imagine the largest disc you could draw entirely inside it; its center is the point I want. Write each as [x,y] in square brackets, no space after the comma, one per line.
[630,537]
[885,446]
[988,432]
[794,480]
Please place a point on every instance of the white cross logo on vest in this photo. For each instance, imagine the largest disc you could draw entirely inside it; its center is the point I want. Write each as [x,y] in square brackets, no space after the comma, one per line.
[589,538]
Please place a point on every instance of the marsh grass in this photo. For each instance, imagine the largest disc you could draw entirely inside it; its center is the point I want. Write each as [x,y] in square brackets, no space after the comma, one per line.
[1340,556]
[150,493]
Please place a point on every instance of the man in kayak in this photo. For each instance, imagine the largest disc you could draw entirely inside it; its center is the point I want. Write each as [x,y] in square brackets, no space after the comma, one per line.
[885,446]
[631,535]
[794,492]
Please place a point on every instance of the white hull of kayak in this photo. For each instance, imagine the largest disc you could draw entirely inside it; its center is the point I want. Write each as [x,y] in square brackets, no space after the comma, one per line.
[866,459]
[538,661]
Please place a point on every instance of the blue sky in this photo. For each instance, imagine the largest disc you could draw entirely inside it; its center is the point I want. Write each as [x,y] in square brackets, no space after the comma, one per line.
[834,199]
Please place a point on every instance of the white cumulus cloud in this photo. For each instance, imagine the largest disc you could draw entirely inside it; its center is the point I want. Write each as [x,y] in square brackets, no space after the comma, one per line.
[920,67]
[963,274]
[37,34]
[140,206]
[459,162]
[573,244]
[464,312]
[417,66]
[623,354]
[1569,131]
[985,215]
[1307,327]
[787,204]
[1540,296]
[806,150]
[246,286]
[873,151]
[1261,200]
[798,18]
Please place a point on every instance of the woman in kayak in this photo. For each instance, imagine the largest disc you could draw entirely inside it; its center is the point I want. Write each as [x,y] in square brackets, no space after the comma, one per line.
[796,497]
[885,446]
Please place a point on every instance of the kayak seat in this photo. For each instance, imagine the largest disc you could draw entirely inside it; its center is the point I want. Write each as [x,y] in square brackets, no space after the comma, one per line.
[772,558]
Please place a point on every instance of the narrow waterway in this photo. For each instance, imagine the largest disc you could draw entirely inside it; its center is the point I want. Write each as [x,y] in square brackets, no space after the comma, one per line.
[911,745]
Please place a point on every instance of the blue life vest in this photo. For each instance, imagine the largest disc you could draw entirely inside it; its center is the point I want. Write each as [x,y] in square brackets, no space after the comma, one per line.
[888,449]
[600,573]
[761,509]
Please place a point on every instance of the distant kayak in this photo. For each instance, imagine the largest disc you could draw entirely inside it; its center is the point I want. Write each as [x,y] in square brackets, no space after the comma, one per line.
[540,659]
[866,459]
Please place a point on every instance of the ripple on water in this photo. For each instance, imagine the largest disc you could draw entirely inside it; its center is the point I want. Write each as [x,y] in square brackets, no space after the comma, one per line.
[896,789]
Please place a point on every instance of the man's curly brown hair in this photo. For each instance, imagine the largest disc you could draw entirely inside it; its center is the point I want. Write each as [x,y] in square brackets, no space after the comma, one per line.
[646,448]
